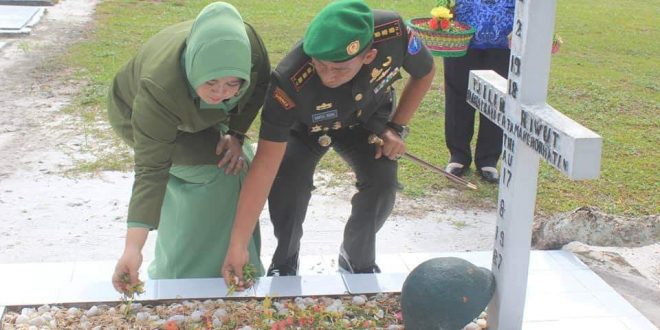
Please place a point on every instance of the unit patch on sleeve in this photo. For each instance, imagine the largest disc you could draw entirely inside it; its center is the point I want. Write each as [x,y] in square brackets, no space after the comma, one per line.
[302,76]
[387,31]
[284,100]
[414,44]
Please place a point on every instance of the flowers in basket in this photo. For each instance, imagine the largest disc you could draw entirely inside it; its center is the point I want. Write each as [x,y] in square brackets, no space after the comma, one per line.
[441,34]
[443,15]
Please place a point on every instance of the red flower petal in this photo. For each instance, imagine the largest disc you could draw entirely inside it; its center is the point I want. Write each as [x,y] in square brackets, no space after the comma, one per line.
[433,24]
[445,24]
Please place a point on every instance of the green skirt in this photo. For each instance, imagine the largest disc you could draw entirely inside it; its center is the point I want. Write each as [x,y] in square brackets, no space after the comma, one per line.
[196,223]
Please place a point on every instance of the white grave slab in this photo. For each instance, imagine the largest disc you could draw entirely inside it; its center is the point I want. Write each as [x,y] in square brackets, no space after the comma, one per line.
[296,286]
[201,288]
[16,17]
[19,19]
[583,301]
[27,2]
[532,130]
[33,283]
[370,283]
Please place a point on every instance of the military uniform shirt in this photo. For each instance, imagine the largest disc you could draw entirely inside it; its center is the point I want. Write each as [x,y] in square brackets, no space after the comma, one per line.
[297,98]
[151,104]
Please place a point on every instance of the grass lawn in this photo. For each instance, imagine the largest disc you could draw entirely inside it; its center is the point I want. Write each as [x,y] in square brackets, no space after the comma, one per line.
[606,77]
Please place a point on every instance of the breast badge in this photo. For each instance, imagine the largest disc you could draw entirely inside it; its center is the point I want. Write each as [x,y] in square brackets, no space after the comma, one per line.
[323,106]
[325,140]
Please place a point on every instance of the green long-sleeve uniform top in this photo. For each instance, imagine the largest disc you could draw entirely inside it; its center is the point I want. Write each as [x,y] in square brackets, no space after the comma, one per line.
[154,109]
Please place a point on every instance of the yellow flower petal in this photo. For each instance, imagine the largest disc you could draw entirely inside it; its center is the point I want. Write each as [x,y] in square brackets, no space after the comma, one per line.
[441,12]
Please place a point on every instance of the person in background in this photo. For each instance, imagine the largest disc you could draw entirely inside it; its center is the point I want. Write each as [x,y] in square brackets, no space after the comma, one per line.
[333,89]
[488,50]
[184,104]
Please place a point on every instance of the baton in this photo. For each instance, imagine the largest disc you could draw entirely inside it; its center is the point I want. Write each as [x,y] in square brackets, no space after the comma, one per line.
[373,139]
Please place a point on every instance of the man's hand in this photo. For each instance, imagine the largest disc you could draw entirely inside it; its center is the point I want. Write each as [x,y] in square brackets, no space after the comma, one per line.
[392,146]
[129,263]
[233,158]
[232,269]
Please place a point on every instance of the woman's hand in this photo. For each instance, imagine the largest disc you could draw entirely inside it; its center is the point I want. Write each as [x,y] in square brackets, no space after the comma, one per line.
[232,269]
[129,263]
[233,154]
[392,146]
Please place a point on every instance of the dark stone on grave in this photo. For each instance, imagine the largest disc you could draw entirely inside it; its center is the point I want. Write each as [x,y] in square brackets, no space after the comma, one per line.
[445,294]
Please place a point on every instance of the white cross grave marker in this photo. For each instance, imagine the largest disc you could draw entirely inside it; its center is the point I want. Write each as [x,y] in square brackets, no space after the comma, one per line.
[532,129]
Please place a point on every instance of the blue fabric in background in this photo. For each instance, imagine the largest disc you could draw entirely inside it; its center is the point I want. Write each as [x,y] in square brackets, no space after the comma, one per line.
[492,20]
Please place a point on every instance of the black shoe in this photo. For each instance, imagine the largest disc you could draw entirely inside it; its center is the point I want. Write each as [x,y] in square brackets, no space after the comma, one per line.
[286,269]
[456,169]
[373,269]
[345,266]
[489,174]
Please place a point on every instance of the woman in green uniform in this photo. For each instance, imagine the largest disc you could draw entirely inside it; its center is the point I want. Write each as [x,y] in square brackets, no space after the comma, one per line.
[184,103]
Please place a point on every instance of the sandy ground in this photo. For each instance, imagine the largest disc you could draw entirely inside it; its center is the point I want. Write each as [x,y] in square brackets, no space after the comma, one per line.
[47,215]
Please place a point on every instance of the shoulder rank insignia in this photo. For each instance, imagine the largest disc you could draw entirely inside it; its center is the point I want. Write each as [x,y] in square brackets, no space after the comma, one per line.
[284,100]
[302,76]
[387,31]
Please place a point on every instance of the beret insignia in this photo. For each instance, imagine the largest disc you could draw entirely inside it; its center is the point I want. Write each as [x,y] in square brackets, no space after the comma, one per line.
[353,48]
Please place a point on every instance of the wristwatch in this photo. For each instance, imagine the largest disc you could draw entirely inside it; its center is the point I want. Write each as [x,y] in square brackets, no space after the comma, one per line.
[402,130]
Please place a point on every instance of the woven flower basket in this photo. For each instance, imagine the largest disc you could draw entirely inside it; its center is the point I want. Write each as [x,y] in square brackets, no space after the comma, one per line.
[443,43]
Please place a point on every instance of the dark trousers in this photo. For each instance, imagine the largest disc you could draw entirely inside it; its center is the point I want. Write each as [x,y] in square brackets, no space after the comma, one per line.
[459,115]
[371,205]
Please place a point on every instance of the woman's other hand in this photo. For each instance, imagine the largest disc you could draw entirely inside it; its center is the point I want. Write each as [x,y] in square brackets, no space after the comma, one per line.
[233,157]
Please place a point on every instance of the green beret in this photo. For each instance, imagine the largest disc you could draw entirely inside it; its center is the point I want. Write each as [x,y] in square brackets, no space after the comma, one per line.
[340,31]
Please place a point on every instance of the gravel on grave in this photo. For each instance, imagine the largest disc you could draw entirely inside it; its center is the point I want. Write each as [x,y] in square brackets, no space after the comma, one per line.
[380,311]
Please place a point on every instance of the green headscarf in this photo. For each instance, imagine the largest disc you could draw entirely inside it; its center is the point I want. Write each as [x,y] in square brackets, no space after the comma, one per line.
[217,47]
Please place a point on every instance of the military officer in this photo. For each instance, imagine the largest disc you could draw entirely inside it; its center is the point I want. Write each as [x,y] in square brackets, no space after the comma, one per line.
[334,89]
